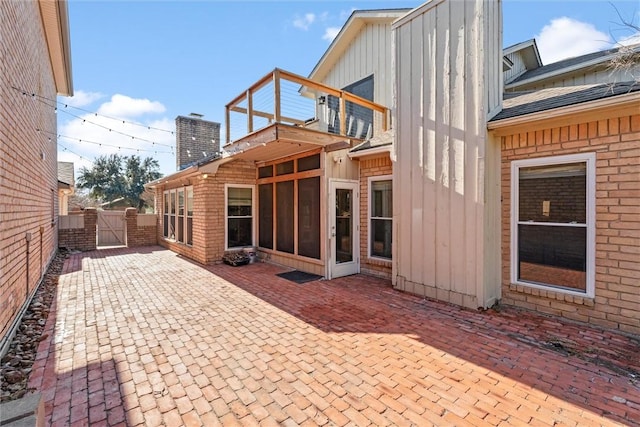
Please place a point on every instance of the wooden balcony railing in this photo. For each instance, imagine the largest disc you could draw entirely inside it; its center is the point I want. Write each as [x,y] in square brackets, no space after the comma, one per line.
[287,98]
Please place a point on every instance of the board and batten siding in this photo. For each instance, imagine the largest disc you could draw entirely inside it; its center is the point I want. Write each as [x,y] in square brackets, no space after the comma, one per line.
[517,69]
[369,53]
[446,182]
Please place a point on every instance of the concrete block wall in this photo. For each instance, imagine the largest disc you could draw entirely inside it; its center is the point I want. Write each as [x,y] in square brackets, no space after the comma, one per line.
[81,239]
[616,142]
[370,167]
[28,159]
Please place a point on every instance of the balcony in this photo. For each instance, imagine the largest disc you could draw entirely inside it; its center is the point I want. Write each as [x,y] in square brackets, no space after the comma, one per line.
[294,111]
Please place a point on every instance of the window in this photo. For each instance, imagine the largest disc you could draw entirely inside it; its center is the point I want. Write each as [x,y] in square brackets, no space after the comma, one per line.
[380,216]
[189,215]
[359,119]
[172,215]
[177,215]
[165,215]
[552,229]
[180,228]
[239,216]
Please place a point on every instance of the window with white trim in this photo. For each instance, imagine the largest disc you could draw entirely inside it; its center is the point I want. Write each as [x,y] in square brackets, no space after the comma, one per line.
[380,216]
[239,221]
[181,224]
[177,215]
[552,225]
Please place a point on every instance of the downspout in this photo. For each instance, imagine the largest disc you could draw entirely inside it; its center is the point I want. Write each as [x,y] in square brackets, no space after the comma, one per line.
[41,244]
[28,239]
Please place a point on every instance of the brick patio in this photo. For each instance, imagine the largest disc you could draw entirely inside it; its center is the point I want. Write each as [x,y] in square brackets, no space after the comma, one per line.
[144,337]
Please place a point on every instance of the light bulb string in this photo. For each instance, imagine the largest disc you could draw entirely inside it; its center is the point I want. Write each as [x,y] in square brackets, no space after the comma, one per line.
[46,102]
[94,113]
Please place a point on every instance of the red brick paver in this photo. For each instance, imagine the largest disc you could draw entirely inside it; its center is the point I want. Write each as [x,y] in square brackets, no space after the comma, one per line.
[144,337]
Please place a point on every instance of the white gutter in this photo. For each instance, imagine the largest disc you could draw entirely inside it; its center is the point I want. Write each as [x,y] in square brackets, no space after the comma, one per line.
[371,151]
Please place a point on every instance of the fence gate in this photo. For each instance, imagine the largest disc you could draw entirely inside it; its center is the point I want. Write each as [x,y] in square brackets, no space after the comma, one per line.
[112,228]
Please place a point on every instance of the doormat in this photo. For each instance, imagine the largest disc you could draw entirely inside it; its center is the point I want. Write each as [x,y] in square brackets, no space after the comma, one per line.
[299,277]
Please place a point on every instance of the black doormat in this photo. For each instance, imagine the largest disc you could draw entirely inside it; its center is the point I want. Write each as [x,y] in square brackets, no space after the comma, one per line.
[299,277]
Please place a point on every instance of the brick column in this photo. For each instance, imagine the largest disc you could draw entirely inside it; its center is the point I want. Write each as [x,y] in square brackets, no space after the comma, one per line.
[90,228]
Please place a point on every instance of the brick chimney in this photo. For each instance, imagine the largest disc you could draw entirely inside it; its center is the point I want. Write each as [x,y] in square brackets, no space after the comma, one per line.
[196,139]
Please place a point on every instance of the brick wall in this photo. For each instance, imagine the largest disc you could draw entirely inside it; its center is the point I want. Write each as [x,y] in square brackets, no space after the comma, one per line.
[370,167]
[616,142]
[140,231]
[208,211]
[28,159]
[196,139]
[81,239]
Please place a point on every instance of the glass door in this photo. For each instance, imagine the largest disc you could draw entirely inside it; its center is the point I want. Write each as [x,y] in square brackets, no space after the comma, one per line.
[343,229]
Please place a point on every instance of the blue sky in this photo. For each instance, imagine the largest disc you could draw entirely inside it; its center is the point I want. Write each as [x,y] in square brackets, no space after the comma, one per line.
[147,62]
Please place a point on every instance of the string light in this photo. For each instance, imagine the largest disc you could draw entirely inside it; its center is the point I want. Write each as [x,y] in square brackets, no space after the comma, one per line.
[102,144]
[34,95]
[75,154]
[43,100]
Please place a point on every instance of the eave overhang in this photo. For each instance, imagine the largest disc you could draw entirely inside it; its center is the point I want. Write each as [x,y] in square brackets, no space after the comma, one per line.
[55,22]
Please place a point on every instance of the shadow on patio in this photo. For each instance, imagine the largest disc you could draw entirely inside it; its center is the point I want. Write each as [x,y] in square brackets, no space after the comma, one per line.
[143,337]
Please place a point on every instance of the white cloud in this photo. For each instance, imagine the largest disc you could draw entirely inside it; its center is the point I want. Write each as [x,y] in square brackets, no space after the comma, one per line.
[566,38]
[330,33]
[81,98]
[93,135]
[630,40]
[126,107]
[305,21]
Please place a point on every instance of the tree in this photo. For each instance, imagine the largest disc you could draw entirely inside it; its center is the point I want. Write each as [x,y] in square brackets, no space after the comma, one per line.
[115,177]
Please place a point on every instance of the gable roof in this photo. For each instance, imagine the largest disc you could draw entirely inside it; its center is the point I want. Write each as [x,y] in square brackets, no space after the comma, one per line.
[351,28]
[569,65]
[523,103]
[529,52]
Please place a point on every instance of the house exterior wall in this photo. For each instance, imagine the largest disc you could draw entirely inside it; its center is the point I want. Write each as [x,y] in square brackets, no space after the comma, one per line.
[368,53]
[208,211]
[371,167]
[446,195]
[615,141]
[28,160]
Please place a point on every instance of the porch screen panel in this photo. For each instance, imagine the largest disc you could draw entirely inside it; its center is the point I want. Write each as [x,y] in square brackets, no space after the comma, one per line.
[309,217]
[265,223]
[284,220]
